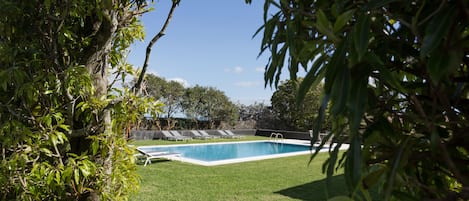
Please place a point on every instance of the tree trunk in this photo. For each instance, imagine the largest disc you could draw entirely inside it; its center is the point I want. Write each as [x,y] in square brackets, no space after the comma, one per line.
[96,64]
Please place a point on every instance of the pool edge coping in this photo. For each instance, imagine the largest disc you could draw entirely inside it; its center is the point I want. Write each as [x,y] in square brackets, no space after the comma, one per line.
[246,159]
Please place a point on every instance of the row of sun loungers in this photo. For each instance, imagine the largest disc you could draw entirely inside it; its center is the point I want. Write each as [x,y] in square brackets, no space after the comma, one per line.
[202,135]
[228,134]
[198,134]
[174,135]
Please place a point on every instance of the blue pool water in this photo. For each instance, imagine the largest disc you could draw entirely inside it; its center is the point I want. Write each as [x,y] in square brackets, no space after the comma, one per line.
[217,152]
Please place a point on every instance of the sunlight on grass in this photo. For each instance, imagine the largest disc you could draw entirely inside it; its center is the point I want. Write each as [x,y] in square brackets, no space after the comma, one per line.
[290,178]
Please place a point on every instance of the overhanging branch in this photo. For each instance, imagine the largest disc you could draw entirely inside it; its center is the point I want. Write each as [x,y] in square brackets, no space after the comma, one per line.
[138,85]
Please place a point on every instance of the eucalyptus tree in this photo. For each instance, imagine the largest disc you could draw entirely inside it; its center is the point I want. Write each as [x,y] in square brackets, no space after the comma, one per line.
[192,102]
[210,104]
[396,78]
[251,112]
[170,93]
[154,86]
[61,118]
[172,97]
[218,107]
[293,115]
[256,115]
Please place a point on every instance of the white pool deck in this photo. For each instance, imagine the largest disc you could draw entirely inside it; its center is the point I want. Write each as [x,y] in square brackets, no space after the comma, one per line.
[246,159]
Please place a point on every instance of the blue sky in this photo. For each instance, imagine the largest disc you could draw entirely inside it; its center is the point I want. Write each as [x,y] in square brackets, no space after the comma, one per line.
[209,43]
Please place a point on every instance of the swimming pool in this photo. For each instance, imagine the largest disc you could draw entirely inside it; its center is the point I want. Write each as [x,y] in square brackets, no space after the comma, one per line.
[224,153]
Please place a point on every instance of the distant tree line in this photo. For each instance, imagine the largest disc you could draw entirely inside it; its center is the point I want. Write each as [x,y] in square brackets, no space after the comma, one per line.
[201,107]
[177,123]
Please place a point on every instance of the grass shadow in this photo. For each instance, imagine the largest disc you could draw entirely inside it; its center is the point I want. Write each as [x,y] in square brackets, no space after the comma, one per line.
[316,190]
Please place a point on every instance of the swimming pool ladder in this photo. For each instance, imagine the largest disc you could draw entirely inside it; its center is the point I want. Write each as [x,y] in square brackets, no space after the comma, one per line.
[276,136]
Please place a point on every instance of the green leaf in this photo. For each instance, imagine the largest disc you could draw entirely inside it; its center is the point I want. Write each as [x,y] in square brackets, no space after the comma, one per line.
[443,63]
[280,63]
[361,35]
[46,151]
[290,40]
[437,65]
[340,90]
[434,141]
[94,147]
[50,177]
[324,26]
[353,163]
[53,139]
[390,78]
[64,127]
[47,119]
[357,101]
[67,173]
[331,166]
[373,177]
[436,30]
[322,20]
[342,20]
[269,28]
[76,176]
[317,127]
[333,67]
[84,169]
[57,177]
[312,78]
[388,188]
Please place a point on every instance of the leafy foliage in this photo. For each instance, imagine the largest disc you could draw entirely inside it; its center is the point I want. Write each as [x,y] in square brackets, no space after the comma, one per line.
[210,104]
[170,93]
[197,103]
[291,114]
[61,121]
[395,75]
[256,115]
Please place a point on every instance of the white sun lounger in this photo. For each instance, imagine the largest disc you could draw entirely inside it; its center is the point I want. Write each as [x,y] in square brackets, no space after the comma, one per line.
[168,136]
[205,134]
[232,134]
[198,135]
[178,135]
[154,155]
[226,135]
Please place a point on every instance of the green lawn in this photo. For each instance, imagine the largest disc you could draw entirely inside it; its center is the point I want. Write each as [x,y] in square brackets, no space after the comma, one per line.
[289,178]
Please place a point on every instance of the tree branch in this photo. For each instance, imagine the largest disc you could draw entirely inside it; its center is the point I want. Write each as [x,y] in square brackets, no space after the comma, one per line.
[433,13]
[138,85]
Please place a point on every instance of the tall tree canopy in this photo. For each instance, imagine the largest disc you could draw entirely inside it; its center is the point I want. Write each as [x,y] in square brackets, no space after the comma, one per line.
[61,119]
[396,77]
[256,115]
[209,104]
[291,114]
[154,86]
[170,93]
